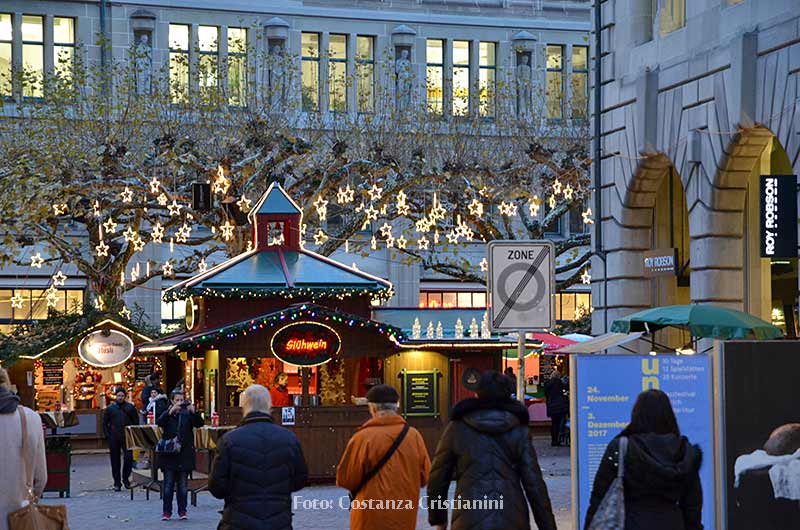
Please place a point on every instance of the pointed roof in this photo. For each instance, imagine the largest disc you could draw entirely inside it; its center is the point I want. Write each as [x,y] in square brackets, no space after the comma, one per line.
[275,201]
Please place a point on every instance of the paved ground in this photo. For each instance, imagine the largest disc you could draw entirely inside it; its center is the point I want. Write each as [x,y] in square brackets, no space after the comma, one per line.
[95,505]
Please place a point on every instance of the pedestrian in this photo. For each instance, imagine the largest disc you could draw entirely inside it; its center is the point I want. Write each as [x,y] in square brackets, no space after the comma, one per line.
[661,470]
[557,406]
[157,403]
[385,460]
[280,392]
[486,448]
[512,378]
[151,381]
[258,466]
[178,422]
[117,416]
[14,492]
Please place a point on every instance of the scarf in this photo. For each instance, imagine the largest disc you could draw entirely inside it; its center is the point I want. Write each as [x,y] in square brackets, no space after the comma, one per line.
[8,401]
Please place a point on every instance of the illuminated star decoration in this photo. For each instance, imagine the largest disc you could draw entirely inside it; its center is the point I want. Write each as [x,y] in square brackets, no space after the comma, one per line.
[96,208]
[402,206]
[423,243]
[52,296]
[320,237]
[221,182]
[59,278]
[373,243]
[437,210]
[126,195]
[372,213]
[110,226]
[551,201]
[16,301]
[587,217]
[533,205]
[202,266]
[322,207]
[484,265]
[509,209]
[138,244]
[386,230]
[423,226]
[475,208]
[463,230]
[384,209]
[390,242]
[99,304]
[227,230]
[125,313]
[452,237]
[129,234]
[155,185]
[483,192]
[174,208]
[167,269]
[375,193]
[586,278]
[158,233]
[182,236]
[162,200]
[37,260]
[568,192]
[557,187]
[401,242]
[60,209]
[345,195]
[102,249]
[244,204]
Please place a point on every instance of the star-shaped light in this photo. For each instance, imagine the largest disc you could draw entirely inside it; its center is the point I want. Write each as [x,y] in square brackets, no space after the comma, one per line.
[167,269]
[475,208]
[110,226]
[59,278]
[322,207]
[227,230]
[557,187]
[401,242]
[437,210]
[422,225]
[484,265]
[436,237]
[372,213]
[587,217]
[158,233]
[101,249]
[375,193]
[586,278]
[320,237]
[483,192]
[16,301]
[345,195]
[129,234]
[509,209]
[403,209]
[51,296]
[99,304]
[155,185]
[384,209]
[182,236]
[423,243]
[390,242]
[533,206]
[96,208]
[174,208]
[463,230]
[360,207]
[452,237]
[244,203]
[125,313]
[386,230]
[568,192]
[60,209]
[162,199]
[126,195]
[202,266]
[138,244]
[373,243]
[37,260]
[221,182]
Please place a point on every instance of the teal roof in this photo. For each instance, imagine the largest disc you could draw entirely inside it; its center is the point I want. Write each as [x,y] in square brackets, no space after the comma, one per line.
[276,201]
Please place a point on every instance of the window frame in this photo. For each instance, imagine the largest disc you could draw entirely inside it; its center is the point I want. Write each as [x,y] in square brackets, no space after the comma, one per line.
[314,61]
[71,46]
[560,74]
[460,68]
[230,66]
[492,92]
[583,72]
[203,56]
[337,62]
[29,43]
[179,52]
[429,66]
[365,63]
[10,44]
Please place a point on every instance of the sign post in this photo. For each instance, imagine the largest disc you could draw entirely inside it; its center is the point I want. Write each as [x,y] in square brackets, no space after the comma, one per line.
[521,286]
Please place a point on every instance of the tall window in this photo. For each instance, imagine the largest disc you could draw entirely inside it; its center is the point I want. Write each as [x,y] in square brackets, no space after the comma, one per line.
[33,56]
[672,16]
[237,66]
[6,39]
[555,81]
[580,81]
[365,71]
[337,73]
[460,78]
[179,62]
[64,47]
[435,75]
[208,45]
[487,74]
[310,71]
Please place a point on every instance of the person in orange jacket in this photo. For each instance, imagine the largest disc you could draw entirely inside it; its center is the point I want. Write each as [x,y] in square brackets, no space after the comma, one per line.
[388,499]
[280,393]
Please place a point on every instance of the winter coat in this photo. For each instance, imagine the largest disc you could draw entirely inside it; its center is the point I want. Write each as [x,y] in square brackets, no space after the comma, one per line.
[280,397]
[557,401]
[181,424]
[115,418]
[486,448]
[258,466]
[158,406]
[400,479]
[662,482]
[12,470]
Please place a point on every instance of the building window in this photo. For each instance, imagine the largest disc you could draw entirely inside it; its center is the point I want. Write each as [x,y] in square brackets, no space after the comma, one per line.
[365,71]
[310,71]
[452,299]
[461,78]
[6,40]
[32,56]
[555,81]
[576,224]
[208,46]
[237,66]
[337,73]
[488,70]
[572,306]
[173,316]
[672,16]
[435,76]
[64,47]
[554,227]
[34,304]
[580,82]
[179,62]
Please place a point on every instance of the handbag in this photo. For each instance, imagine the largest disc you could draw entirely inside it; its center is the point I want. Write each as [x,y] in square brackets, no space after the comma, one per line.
[385,458]
[610,514]
[35,516]
[170,446]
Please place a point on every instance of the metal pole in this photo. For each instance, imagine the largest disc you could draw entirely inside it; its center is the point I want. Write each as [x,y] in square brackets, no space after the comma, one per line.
[521,366]
[598,181]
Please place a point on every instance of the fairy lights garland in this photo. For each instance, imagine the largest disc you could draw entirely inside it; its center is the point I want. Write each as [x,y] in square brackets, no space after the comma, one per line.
[314,293]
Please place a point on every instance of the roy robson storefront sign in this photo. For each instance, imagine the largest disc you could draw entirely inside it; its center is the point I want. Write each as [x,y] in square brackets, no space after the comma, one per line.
[305,343]
[778,213]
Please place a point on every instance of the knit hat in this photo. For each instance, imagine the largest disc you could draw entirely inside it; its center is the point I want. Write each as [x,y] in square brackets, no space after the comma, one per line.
[494,386]
[383,394]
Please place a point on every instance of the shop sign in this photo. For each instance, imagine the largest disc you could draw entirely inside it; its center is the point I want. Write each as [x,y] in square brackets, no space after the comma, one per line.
[190,318]
[778,201]
[53,372]
[661,262]
[103,349]
[288,416]
[306,343]
[142,369]
[420,392]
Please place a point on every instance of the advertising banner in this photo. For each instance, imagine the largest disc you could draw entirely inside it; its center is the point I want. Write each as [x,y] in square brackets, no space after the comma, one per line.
[606,388]
[778,216]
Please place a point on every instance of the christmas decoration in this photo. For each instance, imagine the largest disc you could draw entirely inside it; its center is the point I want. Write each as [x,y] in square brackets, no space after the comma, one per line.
[486,332]
[459,330]
[345,195]
[473,329]
[587,217]
[37,260]
[244,204]
[439,330]
[429,331]
[416,329]
[586,278]
[126,195]
[59,278]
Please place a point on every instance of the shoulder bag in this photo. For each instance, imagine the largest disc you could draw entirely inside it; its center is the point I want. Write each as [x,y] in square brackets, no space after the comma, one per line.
[385,458]
[170,446]
[35,516]
[610,514]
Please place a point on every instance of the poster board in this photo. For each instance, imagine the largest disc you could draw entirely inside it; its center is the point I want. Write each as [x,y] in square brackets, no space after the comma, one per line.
[53,372]
[142,369]
[604,390]
[420,395]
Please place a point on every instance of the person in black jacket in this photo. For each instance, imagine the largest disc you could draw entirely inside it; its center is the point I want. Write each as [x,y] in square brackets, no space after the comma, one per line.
[258,466]
[662,479]
[116,417]
[179,421]
[486,448]
[557,406]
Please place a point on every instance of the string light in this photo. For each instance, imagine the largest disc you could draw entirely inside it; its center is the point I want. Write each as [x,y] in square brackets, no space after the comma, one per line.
[102,249]
[423,243]
[125,313]
[60,209]
[99,304]
[155,185]
[452,237]
[375,193]
[475,208]
[386,230]
[484,265]
[162,200]
[438,211]
[110,226]
[320,237]
[96,208]
[509,209]
[129,234]
[533,206]
[568,192]
[586,278]
[402,206]
[345,195]
[226,229]
[138,244]
[202,266]
[347,246]
[135,273]
[401,242]
[244,203]
[423,225]
[182,236]
[372,213]
[587,217]
[551,201]
[52,296]
[390,242]
[16,301]
[557,187]
[37,260]
[126,195]
[373,243]
[221,182]
[174,208]
[168,269]
[321,205]
[59,279]
[158,233]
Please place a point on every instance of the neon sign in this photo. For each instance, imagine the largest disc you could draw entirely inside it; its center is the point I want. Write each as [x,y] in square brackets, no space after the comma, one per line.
[305,343]
[302,345]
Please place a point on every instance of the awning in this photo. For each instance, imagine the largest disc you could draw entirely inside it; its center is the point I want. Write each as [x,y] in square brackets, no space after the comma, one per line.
[603,342]
[551,342]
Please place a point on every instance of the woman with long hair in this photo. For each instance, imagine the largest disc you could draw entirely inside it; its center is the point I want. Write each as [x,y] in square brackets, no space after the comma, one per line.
[661,479]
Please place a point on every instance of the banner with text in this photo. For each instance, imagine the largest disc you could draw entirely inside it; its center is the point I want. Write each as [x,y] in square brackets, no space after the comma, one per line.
[606,389]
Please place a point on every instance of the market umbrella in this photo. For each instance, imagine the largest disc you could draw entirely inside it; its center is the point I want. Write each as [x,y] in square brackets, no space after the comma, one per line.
[551,342]
[702,321]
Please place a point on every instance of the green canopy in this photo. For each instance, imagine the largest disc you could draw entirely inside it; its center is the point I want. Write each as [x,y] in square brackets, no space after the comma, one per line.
[702,321]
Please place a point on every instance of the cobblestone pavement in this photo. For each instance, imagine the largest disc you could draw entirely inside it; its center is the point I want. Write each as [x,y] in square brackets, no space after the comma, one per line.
[95,506]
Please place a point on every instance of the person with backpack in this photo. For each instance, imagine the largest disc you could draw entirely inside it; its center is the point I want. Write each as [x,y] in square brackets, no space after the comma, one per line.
[384,466]
[661,478]
[485,447]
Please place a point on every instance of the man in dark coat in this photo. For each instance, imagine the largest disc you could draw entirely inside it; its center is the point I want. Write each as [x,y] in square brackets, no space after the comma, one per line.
[557,406]
[116,417]
[486,448]
[258,466]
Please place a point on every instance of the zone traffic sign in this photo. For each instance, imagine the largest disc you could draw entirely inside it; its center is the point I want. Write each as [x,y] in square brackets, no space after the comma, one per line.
[521,285]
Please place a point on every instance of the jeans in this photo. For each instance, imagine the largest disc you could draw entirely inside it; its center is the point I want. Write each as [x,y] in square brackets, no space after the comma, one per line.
[120,457]
[175,480]
[556,425]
